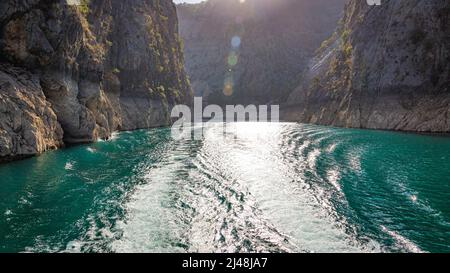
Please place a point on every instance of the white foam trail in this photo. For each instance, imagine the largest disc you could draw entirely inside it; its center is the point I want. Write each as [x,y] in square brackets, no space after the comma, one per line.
[74,247]
[312,158]
[151,225]
[355,163]
[305,144]
[331,148]
[114,136]
[68,166]
[24,201]
[247,165]
[334,176]
[292,209]
[402,241]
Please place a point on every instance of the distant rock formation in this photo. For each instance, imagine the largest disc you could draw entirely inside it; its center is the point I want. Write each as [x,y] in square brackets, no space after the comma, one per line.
[77,73]
[386,67]
[273,42]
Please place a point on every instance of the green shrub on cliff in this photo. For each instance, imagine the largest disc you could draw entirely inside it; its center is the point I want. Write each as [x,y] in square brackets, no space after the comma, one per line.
[84,7]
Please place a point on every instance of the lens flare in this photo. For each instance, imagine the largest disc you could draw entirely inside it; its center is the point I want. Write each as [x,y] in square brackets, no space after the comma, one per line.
[228,84]
[236,42]
[232,59]
[228,90]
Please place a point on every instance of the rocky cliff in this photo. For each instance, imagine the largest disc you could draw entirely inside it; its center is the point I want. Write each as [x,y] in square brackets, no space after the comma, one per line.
[386,67]
[77,70]
[253,51]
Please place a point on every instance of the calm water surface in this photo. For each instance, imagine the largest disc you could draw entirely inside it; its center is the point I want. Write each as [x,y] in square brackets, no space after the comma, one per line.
[263,188]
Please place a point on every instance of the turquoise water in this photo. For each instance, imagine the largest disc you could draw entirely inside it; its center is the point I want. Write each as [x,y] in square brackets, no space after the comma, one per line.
[264,187]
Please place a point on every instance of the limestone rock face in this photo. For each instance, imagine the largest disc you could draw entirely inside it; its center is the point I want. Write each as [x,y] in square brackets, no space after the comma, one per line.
[277,38]
[144,63]
[386,67]
[28,124]
[100,66]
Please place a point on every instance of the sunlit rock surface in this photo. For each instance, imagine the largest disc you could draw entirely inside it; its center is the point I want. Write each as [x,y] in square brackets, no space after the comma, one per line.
[386,67]
[28,124]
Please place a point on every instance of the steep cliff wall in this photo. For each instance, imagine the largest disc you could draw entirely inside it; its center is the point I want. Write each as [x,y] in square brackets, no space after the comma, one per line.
[386,67]
[277,38]
[76,73]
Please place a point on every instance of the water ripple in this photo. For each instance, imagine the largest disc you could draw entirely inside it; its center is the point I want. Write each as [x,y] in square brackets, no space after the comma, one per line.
[272,187]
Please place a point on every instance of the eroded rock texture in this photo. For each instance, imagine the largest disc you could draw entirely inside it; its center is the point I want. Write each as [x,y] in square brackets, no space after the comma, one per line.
[386,67]
[77,73]
[28,124]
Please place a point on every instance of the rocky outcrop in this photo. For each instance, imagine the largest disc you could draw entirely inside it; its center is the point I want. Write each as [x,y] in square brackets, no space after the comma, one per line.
[77,73]
[28,124]
[273,42]
[386,67]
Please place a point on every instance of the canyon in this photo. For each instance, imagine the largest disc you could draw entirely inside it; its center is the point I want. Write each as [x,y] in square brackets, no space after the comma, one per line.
[254,51]
[74,74]
[338,63]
